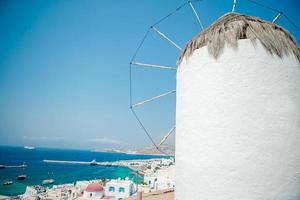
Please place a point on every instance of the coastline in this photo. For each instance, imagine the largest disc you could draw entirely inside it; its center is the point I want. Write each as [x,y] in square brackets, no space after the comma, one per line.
[3,197]
[37,170]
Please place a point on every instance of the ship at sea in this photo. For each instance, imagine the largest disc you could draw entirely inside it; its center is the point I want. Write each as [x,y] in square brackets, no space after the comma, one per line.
[29,147]
[7,183]
[93,162]
[21,177]
[48,181]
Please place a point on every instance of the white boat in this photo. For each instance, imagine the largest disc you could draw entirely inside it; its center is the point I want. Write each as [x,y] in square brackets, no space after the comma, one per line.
[29,147]
[48,181]
[8,183]
[23,165]
[93,162]
[21,177]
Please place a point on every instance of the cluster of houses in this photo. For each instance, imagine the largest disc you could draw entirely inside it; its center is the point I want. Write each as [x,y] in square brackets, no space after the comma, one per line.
[83,190]
[158,174]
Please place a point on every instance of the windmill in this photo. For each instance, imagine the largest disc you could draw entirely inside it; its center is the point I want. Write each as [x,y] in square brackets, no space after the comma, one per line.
[237,109]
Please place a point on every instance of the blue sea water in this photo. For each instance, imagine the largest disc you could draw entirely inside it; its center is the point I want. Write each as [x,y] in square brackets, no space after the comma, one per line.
[37,170]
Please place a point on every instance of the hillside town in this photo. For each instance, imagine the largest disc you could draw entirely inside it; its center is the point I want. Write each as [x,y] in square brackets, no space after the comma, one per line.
[158,175]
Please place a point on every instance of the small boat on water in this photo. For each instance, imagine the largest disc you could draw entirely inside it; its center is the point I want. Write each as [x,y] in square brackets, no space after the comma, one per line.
[2,167]
[48,181]
[21,177]
[8,183]
[23,165]
[93,162]
[29,147]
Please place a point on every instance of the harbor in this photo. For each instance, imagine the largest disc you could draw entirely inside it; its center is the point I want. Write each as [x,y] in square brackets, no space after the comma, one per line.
[138,174]
[38,170]
[138,166]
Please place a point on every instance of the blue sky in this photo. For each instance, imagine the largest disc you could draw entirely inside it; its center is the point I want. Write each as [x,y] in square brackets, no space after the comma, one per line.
[64,67]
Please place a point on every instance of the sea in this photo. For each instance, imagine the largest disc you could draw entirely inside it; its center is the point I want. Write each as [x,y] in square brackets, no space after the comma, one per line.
[37,170]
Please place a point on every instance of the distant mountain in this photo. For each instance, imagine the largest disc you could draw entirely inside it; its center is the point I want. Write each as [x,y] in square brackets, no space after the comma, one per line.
[147,150]
[166,148]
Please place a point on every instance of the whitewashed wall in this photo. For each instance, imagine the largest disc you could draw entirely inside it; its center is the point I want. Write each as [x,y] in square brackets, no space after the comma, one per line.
[238,126]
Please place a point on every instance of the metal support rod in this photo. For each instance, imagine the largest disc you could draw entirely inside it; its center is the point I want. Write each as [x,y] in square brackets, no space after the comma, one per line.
[195,13]
[166,136]
[153,98]
[130,67]
[166,38]
[143,127]
[147,133]
[277,17]
[152,65]
[233,6]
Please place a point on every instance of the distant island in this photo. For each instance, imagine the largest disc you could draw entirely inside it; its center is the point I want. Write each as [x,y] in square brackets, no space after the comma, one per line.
[146,150]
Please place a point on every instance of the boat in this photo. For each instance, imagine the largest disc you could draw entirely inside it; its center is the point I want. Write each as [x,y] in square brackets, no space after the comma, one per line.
[29,147]
[21,177]
[23,165]
[48,181]
[7,183]
[2,167]
[93,162]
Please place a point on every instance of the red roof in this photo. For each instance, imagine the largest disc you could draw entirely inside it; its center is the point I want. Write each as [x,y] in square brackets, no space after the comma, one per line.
[94,187]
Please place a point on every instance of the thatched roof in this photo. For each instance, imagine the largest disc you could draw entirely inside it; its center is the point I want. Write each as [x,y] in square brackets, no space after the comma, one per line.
[233,26]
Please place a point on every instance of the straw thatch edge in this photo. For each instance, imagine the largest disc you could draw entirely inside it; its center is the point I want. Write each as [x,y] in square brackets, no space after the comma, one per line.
[233,26]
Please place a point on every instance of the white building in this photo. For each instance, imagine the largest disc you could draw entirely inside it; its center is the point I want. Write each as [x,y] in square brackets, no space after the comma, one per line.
[163,178]
[59,192]
[238,113]
[67,191]
[81,186]
[151,181]
[94,191]
[119,188]
[32,192]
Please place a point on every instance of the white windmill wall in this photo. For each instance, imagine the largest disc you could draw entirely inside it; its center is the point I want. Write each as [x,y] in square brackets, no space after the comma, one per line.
[238,126]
